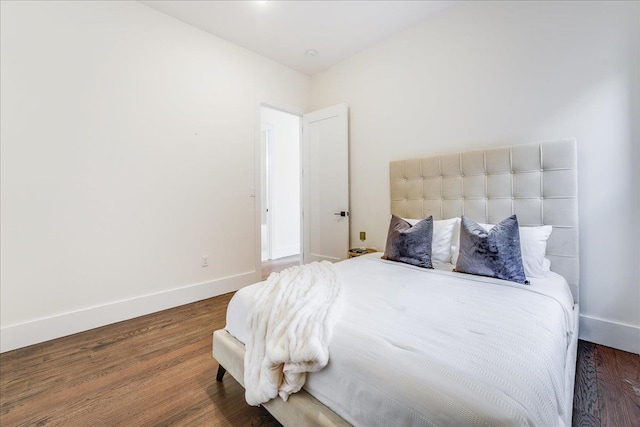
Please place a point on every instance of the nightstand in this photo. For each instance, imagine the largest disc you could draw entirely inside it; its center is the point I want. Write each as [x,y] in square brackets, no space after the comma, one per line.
[358,251]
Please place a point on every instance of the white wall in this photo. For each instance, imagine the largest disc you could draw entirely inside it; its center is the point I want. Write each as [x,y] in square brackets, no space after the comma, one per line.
[285,181]
[501,73]
[128,144]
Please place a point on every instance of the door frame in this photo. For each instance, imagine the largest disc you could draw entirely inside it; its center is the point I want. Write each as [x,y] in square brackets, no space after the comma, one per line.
[254,192]
[267,147]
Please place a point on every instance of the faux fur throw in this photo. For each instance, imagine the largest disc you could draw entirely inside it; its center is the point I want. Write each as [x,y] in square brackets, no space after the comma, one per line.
[290,327]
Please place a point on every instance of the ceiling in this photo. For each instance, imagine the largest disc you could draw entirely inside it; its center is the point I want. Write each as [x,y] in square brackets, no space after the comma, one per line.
[285,30]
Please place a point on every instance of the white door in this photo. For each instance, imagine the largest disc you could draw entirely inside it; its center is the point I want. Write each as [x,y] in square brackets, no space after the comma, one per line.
[325,172]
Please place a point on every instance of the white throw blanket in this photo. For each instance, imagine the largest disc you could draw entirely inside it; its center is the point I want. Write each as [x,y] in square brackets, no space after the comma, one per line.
[290,327]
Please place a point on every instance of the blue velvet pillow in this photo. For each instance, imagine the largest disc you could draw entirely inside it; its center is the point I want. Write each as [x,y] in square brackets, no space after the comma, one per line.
[493,253]
[410,244]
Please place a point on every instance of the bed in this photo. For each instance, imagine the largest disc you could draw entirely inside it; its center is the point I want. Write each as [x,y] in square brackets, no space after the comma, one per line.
[453,348]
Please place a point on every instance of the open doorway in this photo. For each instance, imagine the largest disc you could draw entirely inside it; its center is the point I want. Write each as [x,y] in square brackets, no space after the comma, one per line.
[280,187]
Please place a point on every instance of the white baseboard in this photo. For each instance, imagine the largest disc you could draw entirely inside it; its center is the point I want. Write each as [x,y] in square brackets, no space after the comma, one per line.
[40,330]
[611,334]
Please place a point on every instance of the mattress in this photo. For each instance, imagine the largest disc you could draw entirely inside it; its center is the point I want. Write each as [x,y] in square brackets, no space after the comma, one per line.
[433,347]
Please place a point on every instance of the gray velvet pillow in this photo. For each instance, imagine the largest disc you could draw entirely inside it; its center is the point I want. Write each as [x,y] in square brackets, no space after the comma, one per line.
[493,253]
[410,244]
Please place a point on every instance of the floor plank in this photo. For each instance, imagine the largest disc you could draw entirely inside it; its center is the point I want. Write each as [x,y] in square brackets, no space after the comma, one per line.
[618,374]
[153,370]
[586,406]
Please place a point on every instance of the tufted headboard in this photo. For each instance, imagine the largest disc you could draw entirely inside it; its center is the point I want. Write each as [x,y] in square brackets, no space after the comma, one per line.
[537,182]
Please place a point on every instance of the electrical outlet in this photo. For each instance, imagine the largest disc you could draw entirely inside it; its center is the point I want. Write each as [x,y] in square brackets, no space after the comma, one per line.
[205,260]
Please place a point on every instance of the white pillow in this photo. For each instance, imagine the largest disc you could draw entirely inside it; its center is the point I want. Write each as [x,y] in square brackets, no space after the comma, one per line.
[533,246]
[443,233]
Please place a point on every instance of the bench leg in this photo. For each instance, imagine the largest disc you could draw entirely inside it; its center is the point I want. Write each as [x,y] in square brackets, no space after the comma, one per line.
[221,372]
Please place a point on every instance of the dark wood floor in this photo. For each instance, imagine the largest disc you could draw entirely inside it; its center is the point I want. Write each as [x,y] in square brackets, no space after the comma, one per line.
[607,390]
[158,370]
[153,370]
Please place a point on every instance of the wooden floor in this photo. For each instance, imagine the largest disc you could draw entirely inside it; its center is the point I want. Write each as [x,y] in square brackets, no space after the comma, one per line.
[607,391]
[154,370]
[158,370]
[278,264]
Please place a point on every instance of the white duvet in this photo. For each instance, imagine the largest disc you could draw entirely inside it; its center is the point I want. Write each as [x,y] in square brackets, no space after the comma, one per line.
[416,347]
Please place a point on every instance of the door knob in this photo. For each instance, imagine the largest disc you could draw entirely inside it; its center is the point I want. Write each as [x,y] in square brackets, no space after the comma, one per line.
[342,213]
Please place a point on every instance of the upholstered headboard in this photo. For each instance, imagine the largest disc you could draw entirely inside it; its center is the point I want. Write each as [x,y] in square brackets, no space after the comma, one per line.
[537,182]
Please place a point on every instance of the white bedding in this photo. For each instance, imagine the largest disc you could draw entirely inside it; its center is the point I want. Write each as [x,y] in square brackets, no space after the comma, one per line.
[416,347]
